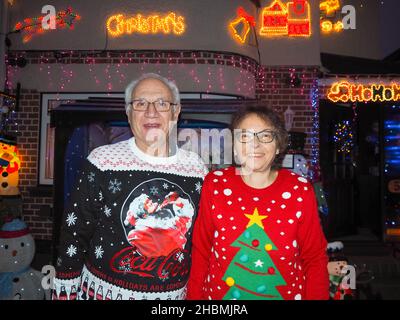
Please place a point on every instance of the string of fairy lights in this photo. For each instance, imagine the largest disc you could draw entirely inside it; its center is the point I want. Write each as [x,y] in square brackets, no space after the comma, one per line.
[314,98]
[59,70]
[344,137]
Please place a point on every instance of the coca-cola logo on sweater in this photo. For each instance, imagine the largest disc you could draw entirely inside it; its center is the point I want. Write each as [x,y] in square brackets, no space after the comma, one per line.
[171,266]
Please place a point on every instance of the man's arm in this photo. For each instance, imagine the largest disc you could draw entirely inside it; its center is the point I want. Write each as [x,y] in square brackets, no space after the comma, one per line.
[78,223]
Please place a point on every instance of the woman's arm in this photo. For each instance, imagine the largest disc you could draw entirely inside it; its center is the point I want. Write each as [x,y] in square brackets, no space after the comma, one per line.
[201,245]
[312,245]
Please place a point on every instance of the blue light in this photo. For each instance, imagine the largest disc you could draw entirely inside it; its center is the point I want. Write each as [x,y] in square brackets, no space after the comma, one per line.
[393,161]
[395,148]
[392,137]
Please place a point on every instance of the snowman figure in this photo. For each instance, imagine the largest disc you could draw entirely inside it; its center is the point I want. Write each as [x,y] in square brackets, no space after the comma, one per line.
[18,281]
[300,164]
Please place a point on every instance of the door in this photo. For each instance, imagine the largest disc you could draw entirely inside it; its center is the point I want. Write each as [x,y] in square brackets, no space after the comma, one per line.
[337,157]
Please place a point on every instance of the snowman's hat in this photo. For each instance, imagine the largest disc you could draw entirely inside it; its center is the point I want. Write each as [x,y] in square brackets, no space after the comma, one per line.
[335,251]
[7,139]
[14,229]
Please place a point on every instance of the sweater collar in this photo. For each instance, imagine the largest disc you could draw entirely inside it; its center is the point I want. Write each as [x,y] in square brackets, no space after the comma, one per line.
[152,159]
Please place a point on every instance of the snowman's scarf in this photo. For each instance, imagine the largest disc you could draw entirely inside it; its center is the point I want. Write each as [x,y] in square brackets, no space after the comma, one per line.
[6,282]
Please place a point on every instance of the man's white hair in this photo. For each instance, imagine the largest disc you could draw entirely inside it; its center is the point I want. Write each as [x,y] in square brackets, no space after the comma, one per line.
[132,86]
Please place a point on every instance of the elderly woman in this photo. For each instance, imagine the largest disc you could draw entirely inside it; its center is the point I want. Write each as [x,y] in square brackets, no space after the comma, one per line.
[258,234]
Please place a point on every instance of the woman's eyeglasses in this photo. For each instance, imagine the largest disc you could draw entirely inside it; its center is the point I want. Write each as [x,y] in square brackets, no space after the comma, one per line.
[246,136]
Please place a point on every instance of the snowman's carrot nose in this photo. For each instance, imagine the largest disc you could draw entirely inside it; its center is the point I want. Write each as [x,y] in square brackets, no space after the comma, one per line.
[14,253]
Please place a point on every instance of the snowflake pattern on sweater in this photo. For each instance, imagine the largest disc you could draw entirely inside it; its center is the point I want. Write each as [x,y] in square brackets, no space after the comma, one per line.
[258,243]
[127,229]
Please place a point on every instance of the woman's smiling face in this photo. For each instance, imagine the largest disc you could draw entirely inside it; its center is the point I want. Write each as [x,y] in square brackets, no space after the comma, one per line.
[254,155]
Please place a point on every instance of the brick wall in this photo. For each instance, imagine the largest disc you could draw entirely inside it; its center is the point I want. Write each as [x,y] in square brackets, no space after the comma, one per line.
[271,87]
[28,118]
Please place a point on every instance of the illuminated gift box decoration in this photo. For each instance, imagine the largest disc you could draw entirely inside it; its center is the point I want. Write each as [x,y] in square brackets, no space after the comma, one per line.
[9,167]
[293,20]
[275,20]
[299,18]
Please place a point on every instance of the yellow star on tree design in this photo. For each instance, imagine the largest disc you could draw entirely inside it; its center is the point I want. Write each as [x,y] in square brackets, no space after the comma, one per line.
[255,218]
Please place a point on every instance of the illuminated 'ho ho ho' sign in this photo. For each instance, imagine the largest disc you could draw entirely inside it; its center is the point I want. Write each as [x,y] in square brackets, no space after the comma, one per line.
[345,91]
[120,24]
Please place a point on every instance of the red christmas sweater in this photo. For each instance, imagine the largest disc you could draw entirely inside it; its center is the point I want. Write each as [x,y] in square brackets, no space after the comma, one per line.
[258,243]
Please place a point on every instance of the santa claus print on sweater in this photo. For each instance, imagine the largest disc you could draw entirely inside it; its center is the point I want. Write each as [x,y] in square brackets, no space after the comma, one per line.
[157,221]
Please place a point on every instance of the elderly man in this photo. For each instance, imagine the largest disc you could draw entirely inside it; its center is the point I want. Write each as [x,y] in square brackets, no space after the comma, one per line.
[127,231]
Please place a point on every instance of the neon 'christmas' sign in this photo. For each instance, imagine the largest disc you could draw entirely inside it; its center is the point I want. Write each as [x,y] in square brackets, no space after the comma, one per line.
[119,24]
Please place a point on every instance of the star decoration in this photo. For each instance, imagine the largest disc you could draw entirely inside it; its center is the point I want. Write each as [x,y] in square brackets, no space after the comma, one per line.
[259,263]
[255,218]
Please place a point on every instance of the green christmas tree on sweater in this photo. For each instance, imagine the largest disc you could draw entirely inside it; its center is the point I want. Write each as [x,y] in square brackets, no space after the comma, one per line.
[252,275]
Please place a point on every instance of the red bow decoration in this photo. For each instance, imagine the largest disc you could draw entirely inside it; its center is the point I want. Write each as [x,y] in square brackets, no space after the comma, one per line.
[242,13]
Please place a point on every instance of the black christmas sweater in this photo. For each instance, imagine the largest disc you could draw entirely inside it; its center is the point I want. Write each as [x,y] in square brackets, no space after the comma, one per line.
[127,229]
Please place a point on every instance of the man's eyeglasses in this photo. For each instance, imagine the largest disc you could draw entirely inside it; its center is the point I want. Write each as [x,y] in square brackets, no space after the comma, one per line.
[265,136]
[160,105]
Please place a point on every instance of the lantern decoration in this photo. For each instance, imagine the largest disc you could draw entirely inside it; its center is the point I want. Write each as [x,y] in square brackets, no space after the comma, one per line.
[18,281]
[33,26]
[244,22]
[293,20]
[9,167]
[289,117]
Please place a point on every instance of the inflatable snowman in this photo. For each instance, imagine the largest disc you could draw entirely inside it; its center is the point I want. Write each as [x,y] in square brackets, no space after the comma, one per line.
[299,164]
[18,281]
